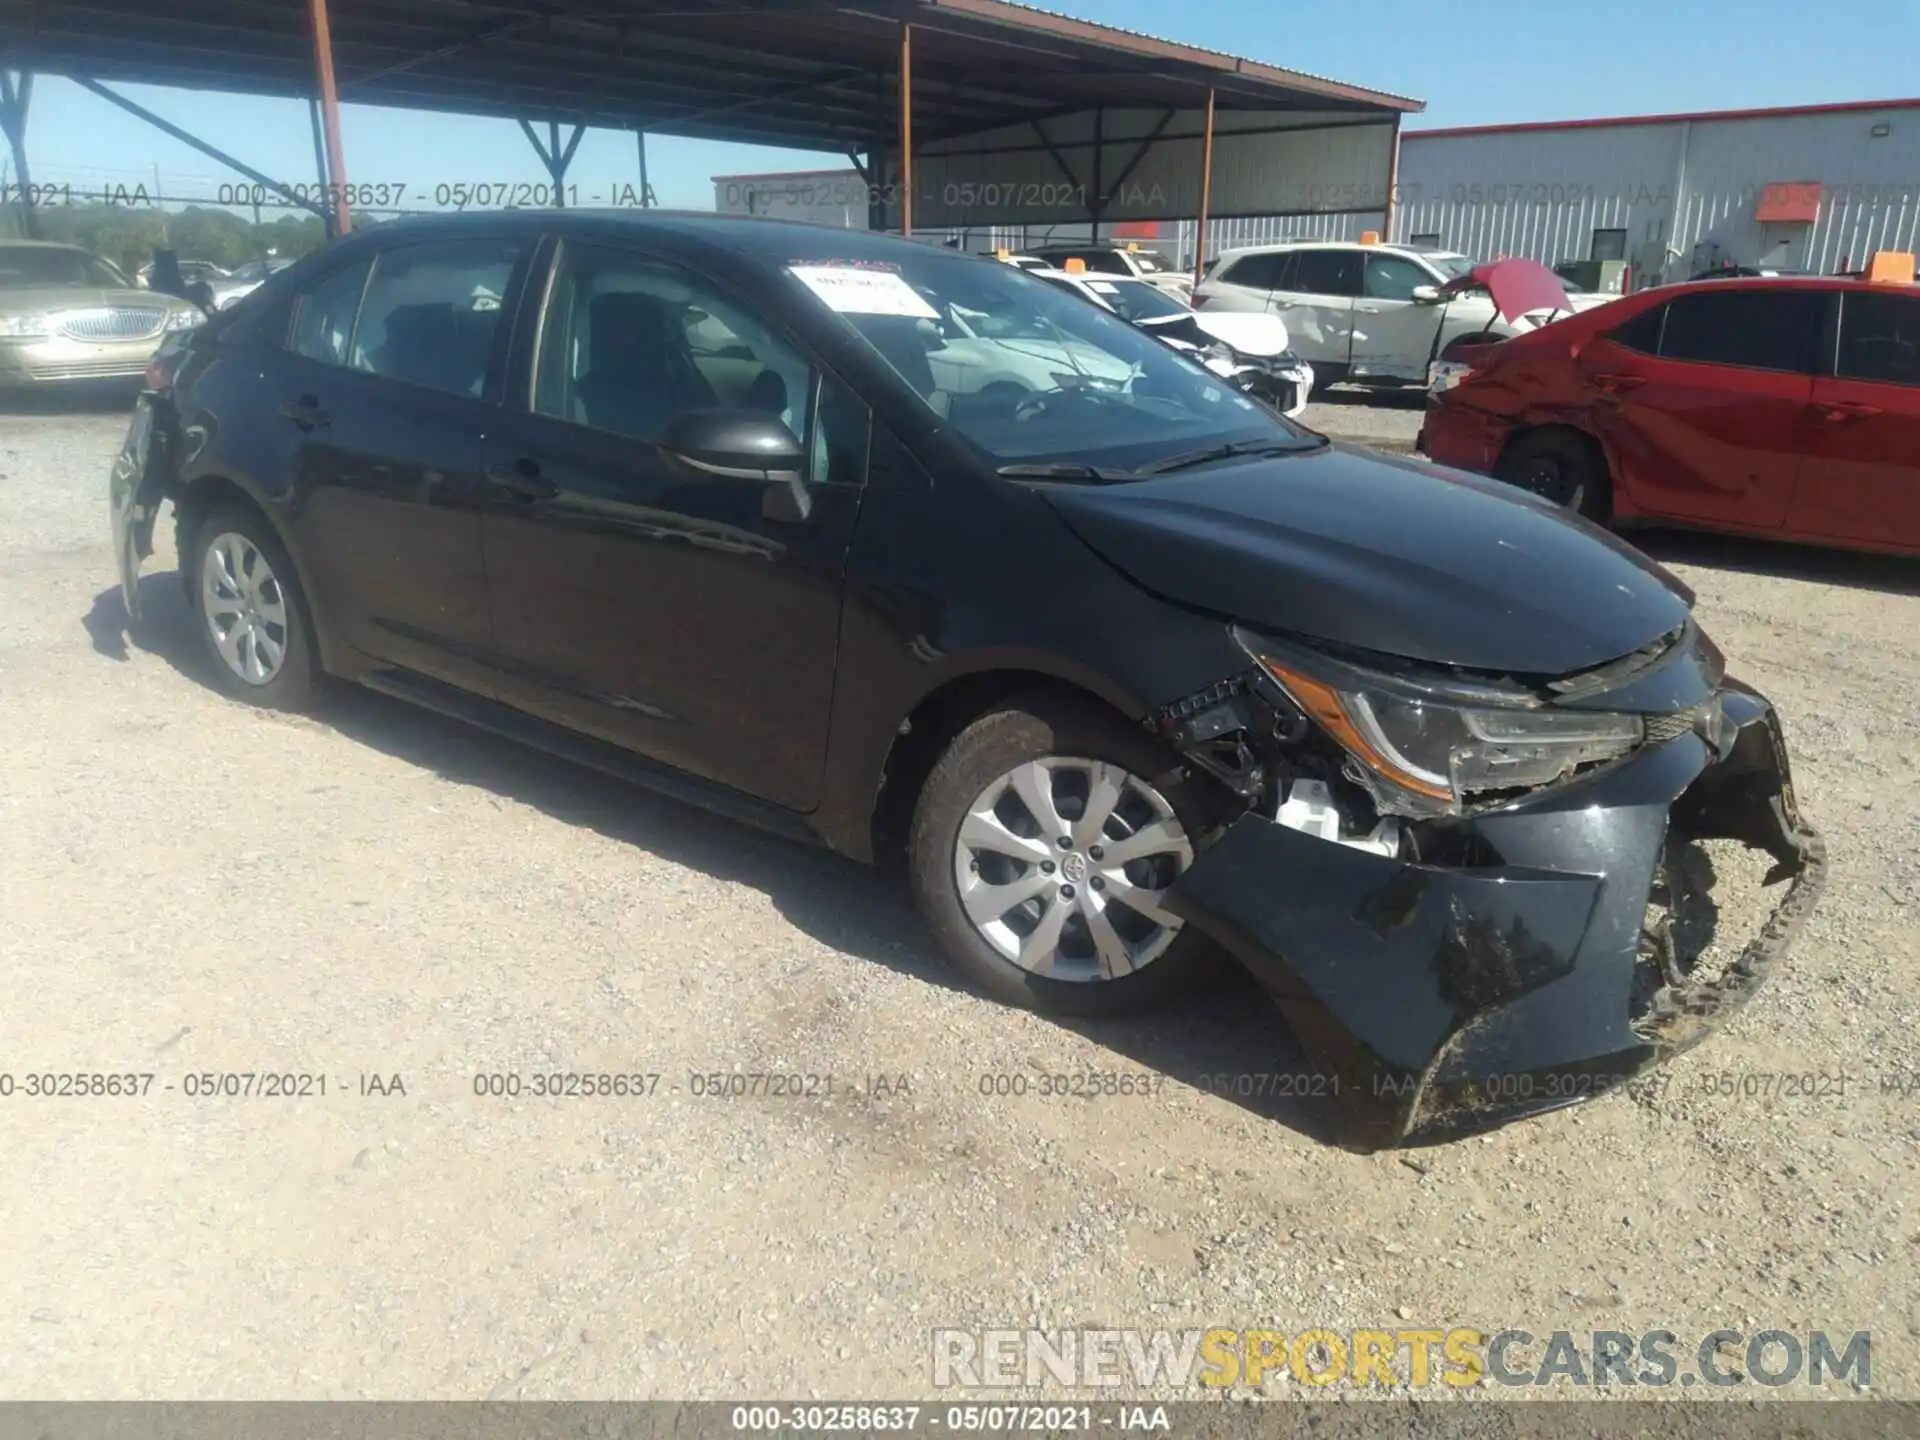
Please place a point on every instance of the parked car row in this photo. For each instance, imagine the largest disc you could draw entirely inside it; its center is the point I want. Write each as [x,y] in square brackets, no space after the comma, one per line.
[913,554]
[1369,313]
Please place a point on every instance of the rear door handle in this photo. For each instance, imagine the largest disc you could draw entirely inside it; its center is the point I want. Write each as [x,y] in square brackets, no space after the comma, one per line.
[1618,384]
[1846,409]
[305,411]
[522,480]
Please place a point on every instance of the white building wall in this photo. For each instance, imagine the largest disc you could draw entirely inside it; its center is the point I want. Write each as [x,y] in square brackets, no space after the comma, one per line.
[1685,192]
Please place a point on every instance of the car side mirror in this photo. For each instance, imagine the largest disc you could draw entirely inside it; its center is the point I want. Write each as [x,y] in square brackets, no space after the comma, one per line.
[747,445]
[1426,294]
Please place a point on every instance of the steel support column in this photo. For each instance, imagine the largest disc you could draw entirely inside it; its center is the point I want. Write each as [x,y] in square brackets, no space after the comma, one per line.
[15,93]
[330,119]
[906,129]
[1206,194]
[1096,197]
[555,156]
[320,165]
[646,188]
[1393,185]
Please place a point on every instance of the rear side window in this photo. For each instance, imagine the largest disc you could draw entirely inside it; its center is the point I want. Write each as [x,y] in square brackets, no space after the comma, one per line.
[1753,329]
[1326,272]
[1879,338]
[430,313]
[1259,272]
[1642,332]
[323,317]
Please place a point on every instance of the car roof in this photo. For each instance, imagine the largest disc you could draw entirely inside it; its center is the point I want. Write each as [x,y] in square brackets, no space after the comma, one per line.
[1783,282]
[1276,247]
[749,236]
[8,244]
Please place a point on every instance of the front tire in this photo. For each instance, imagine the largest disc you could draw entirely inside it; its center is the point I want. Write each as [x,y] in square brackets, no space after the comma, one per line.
[1041,850]
[249,611]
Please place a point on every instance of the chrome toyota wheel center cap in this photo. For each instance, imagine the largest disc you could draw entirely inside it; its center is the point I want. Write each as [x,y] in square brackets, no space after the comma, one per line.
[1073,867]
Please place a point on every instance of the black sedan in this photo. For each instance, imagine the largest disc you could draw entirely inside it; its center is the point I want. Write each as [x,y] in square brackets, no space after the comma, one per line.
[909,553]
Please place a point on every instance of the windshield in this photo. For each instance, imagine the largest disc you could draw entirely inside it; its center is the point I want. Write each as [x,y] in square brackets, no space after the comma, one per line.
[1447,263]
[31,267]
[1148,261]
[1137,299]
[1026,374]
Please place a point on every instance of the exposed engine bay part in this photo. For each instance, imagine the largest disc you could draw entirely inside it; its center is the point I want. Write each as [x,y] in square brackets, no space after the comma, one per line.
[1309,808]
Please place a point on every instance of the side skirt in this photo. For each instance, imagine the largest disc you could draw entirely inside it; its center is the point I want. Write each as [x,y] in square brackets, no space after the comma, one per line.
[594,754]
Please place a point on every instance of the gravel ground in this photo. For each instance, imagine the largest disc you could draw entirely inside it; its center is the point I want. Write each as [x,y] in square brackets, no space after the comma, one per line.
[1385,420]
[187,885]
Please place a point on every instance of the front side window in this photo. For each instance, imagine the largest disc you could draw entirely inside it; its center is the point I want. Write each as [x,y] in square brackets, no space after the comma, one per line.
[630,344]
[430,313]
[1879,338]
[1753,329]
[1326,272]
[1394,277]
[323,317]
[1026,374]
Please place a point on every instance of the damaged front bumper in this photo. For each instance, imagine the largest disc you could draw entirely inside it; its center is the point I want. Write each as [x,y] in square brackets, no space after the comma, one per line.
[1439,1000]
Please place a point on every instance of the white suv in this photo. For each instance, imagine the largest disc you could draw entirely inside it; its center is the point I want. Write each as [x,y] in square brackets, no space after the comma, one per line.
[1357,312]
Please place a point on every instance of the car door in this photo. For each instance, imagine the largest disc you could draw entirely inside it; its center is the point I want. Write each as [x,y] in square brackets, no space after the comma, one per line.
[1705,411]
[388,391]
[1315,297]
[1393,332]
[1861,480]
[681,614]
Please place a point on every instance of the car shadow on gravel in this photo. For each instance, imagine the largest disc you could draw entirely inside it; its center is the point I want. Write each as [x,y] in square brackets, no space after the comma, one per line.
[1855,569]
[1226,1038]
[93,397]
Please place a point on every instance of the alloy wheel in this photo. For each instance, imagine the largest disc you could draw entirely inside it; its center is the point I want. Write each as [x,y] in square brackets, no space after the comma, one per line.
[245,608]
[1063,865]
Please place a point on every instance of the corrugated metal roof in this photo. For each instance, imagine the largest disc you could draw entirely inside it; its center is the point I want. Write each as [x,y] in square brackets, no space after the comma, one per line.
[1229,60]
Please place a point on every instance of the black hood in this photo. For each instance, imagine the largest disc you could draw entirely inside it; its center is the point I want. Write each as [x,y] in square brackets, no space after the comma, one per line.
[1381,554]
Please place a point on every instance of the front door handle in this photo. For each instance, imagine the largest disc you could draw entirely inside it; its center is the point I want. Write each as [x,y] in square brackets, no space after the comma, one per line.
[1846,409]
[305,411]
[522,480]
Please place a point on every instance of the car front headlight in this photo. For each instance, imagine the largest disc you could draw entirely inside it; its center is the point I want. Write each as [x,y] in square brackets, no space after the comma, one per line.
[25,327]
[182,320]
[1439,745]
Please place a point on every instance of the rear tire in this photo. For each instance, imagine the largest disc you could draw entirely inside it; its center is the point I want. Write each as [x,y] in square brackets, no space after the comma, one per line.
[1560,466]
[249,611]
[1040,924]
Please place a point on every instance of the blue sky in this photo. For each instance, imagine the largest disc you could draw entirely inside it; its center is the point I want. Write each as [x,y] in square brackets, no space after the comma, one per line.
[1473,62]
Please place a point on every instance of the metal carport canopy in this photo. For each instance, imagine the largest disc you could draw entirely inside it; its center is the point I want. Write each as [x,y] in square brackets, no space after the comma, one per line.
[1014,113]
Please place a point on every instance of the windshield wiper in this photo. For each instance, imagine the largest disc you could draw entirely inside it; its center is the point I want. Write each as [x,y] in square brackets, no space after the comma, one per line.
[1229,451]
[1065,470]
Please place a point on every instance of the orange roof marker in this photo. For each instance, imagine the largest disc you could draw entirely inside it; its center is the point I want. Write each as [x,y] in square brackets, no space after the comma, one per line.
[1891,267]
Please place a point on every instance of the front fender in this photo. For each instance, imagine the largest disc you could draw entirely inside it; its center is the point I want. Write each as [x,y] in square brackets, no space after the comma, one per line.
[135,487]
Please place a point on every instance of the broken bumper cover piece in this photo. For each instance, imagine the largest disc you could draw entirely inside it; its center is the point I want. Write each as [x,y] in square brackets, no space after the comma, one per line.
[1438,1001]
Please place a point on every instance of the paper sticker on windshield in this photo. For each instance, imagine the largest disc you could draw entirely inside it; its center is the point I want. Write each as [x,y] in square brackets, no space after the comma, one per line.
[863,292]
[1103,287]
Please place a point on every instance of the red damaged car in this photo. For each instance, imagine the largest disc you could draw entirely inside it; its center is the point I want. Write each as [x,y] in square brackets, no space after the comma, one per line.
[1784,408]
